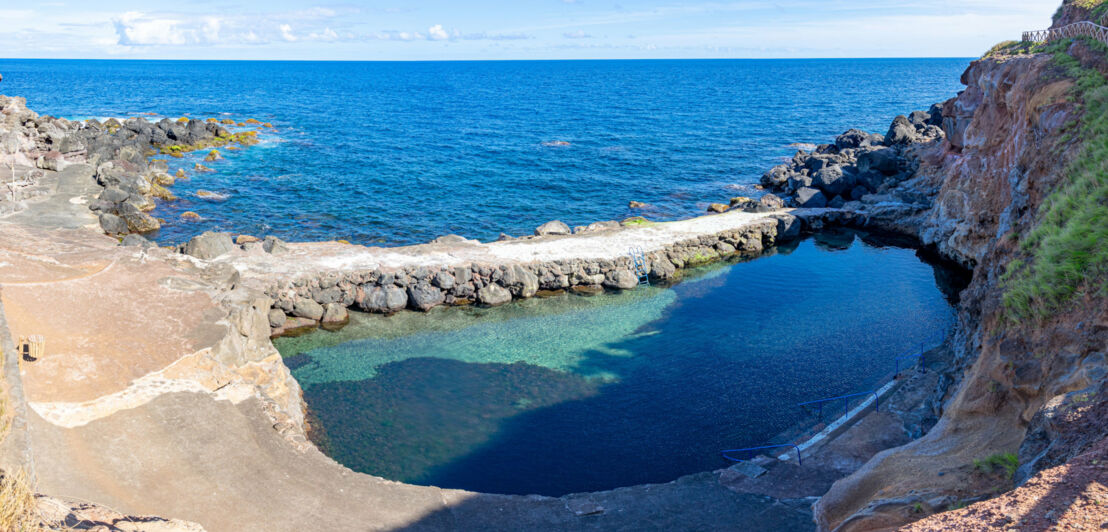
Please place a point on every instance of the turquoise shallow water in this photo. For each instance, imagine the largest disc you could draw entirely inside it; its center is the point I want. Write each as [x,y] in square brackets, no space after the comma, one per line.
[576,393]
[400,153]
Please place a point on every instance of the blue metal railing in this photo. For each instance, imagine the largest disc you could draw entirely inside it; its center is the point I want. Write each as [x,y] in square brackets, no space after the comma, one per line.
[846,402]
[724,453]
[919,355]
[638,260]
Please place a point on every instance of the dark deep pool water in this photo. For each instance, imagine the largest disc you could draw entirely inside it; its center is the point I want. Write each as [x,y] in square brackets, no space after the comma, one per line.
[570,394]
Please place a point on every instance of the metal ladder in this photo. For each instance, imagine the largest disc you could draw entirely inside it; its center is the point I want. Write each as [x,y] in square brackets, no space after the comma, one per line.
[638,260]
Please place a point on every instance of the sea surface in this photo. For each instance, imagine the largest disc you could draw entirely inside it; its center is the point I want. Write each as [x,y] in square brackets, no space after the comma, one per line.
[391,153]
[571,393]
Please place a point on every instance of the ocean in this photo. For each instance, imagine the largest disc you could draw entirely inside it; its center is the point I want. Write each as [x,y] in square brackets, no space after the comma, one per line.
[395,153]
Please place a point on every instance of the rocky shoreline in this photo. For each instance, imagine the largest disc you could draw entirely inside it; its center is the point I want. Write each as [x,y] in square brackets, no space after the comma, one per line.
[965,179]
[120,153]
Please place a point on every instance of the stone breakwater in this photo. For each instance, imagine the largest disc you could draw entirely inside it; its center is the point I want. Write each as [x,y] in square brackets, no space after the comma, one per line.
[314,284]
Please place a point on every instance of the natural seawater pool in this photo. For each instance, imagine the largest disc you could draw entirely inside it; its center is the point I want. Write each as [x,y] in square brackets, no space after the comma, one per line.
[571,393]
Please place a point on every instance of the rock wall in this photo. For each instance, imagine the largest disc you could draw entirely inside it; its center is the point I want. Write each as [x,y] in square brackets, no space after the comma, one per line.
[1004,152]
[323,298]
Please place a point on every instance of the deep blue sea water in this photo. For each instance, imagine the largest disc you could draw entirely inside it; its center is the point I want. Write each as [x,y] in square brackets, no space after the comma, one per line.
[572,393]
[399,153]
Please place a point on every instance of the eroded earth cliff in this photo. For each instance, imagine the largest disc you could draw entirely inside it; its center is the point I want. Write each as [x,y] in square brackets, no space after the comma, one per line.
[1020,197]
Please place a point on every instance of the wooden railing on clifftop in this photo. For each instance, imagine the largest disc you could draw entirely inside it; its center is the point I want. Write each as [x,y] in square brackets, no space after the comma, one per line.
[1077,29]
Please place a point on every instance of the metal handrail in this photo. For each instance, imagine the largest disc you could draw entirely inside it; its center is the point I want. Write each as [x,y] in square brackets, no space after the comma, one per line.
[846,402]
[920,355]
[794,446]
[1084,28]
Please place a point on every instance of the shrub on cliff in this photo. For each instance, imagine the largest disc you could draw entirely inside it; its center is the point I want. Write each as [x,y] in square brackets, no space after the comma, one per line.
[1066,254]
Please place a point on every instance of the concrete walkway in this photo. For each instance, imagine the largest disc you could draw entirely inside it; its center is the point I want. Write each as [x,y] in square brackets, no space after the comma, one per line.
[66,204]
[320,257]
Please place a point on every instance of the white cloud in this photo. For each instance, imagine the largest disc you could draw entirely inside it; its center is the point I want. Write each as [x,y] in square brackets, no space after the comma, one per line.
[437,33]
[579,34]
[135,29]
[286,33]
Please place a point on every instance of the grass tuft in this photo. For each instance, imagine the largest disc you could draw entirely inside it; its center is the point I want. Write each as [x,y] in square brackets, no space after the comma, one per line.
[1066,257]
[17,504]
[1009,462]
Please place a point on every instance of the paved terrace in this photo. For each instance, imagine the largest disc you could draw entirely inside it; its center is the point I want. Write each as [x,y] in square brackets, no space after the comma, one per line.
[323,257]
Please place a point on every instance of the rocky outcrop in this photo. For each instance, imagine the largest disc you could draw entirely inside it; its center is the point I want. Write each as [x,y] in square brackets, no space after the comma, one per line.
[119,152]
[858,168]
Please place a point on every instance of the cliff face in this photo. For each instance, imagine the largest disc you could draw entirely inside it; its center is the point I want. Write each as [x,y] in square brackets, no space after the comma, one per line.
[1014,138]
[1079,10]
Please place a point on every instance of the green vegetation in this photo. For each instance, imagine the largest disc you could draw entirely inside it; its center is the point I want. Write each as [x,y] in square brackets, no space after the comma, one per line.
[1097,9]
[1009,462]
[1011,48]
[636,221]
[245,138]
[699,259]
[1066,256]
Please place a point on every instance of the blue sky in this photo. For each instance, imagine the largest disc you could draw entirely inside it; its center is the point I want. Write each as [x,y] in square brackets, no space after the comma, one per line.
[519,29]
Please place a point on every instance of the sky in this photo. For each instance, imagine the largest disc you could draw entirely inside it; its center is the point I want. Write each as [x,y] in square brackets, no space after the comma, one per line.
[518,29]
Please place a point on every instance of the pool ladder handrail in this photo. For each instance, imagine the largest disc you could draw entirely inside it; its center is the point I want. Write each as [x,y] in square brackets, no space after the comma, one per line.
[638,260]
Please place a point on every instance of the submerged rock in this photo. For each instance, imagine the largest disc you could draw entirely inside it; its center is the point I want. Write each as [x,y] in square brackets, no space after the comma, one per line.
[587,290]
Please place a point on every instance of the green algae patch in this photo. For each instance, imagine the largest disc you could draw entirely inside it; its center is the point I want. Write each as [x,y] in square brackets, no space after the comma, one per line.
[1065,256]
[520,332]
